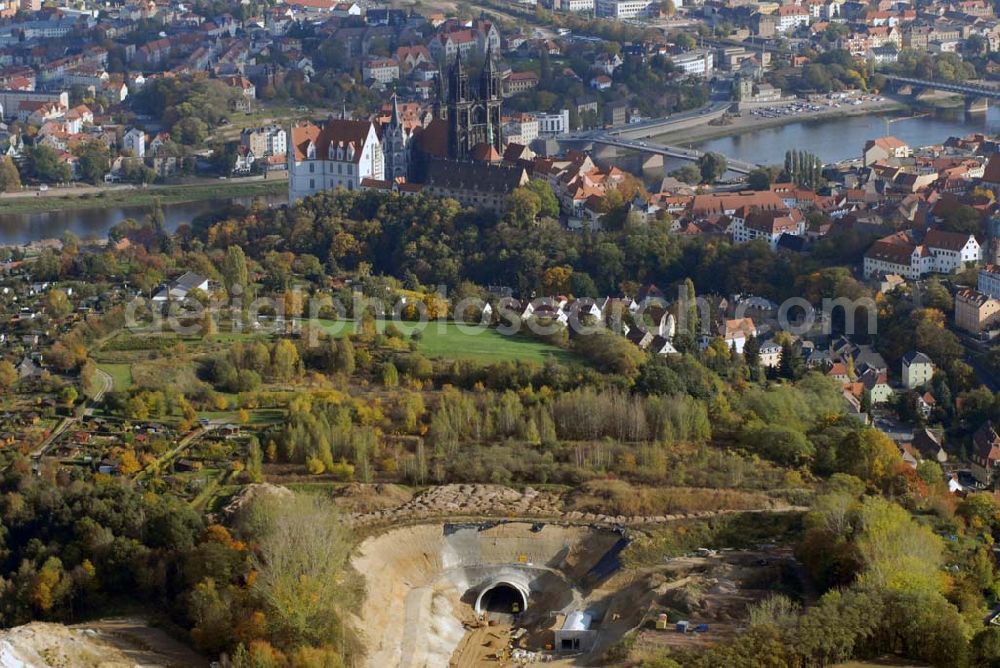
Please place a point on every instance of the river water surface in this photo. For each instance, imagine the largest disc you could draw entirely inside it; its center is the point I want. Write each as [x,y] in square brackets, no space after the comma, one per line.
[20,228]
[834,139]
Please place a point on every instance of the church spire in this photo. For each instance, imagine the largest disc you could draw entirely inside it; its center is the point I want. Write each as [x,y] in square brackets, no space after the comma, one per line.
[395,110]
[488,86]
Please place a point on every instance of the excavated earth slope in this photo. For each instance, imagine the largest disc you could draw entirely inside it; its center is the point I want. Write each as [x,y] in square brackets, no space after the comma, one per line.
[422,582]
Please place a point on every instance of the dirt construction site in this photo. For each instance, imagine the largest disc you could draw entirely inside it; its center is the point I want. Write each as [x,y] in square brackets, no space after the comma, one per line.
[509,593]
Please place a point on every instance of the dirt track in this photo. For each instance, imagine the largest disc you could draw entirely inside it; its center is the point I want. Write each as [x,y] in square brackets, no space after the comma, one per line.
[481,501]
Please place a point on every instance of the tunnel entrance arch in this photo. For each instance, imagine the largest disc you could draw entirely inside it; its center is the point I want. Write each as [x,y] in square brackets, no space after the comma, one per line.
[502,597]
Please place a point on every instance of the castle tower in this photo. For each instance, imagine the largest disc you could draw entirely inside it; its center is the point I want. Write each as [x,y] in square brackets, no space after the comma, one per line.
[396,145]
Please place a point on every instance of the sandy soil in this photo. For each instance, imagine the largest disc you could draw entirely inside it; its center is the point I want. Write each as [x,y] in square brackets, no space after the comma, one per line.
[143,644]
[108,643]
[419,580]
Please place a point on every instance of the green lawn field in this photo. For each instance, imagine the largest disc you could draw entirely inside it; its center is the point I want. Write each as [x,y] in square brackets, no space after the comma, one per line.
[448,340]
[120,373]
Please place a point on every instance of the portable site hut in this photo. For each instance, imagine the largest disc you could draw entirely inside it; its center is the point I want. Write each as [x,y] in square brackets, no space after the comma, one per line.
[575,634]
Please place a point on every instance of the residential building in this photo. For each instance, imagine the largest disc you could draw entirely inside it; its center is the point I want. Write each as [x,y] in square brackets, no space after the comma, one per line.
[626,9]
[917,369]
[876,384]
[883,149]
[265,141]
[941,252]
[696,63]
[345,9]
[770,354]
[736,332]
[790,17]
[11,101]
[519,82]
[134,141]
[521,129]
[601,82]
[975,312]
[952,251]
[338,155]
[179,288]
[768,225]
[409,57]
[573,5]
[728,203]
[929,446]
[989,281]
[985,456]
[380,70]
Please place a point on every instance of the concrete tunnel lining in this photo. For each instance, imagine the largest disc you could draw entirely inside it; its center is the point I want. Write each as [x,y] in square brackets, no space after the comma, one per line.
[520,588]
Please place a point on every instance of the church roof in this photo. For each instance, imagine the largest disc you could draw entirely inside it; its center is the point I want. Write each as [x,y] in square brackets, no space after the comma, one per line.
[484,152]
[455,175]
[433,139]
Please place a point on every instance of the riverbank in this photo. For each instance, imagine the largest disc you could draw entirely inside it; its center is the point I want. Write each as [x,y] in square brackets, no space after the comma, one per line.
[746,122]
[89,197]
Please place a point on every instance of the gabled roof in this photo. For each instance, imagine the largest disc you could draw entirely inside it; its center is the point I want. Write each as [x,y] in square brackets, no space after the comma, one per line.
[986,443]
[953,241]
[871,378]
[915,357]
[732,329]
[479,176]
[723,202]
[991,173]
[335,131]
[774,221]
[927,443]
[889,143]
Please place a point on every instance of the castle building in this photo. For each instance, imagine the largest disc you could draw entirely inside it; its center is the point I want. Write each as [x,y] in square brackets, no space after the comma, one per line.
[457,154]
[339,154]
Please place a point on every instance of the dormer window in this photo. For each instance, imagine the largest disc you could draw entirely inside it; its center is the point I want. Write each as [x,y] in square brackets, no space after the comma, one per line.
[350,151]
[311,150]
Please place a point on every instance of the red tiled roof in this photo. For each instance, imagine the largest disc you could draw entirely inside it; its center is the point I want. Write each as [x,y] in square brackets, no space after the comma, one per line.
[335,131]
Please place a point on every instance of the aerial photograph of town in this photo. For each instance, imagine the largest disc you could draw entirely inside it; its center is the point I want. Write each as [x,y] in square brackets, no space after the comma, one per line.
[493,333]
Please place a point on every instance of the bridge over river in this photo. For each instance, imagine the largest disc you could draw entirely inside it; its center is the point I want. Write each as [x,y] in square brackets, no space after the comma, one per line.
[634,136]
[971,90]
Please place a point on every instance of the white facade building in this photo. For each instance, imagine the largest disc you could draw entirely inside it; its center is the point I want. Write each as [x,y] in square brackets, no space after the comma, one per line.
[574,5]
[625,9]
[952,250]
[277,142]
[382,70]
[766,225]
[338,155]
[550,125]
[697,63]
[134,142]
[941,252]
[521,129]
[790,17]
[917,370]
